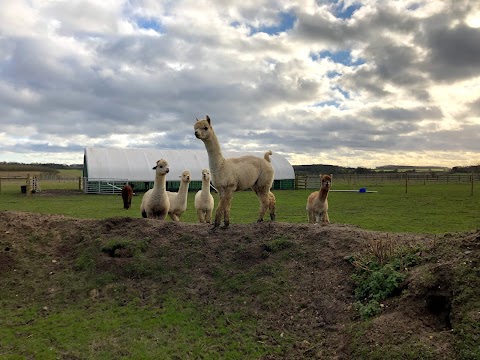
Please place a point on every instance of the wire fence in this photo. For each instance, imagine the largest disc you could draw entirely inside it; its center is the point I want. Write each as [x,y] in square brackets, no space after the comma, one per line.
[310,181]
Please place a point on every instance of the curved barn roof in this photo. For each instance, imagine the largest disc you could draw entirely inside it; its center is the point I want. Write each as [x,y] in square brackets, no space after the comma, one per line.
[137,164]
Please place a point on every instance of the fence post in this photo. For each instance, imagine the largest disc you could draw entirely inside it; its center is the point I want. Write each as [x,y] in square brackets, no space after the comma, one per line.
[406,183]
[471,191]
[29,187]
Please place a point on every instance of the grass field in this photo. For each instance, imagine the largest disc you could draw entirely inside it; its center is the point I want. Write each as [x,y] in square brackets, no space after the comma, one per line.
[437,208]
[232,294]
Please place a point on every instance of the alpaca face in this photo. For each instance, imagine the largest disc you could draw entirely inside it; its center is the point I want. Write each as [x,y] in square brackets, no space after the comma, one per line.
[206,174]
[326,181]
[161,167]
[203,129]
[185,176]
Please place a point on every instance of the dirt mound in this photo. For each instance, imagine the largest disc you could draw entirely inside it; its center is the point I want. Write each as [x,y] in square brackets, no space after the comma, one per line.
[302,287]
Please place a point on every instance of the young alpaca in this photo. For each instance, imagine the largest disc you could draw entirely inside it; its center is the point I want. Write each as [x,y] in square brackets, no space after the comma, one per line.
[317,203]
[204,201]
[271,205]
[234,174]
[178,201]
[127,194]
[155,202]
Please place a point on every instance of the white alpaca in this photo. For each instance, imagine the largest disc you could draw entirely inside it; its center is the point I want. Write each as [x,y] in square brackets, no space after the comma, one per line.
[234,174]
[317,202]
[178,201]
[155,203]
[204,201]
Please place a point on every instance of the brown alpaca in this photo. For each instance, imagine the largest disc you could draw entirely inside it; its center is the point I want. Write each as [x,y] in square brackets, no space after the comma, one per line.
[317,202]
[127,193]
[234,174]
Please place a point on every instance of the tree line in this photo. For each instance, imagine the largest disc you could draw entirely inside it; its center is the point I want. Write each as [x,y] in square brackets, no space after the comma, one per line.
[43,167]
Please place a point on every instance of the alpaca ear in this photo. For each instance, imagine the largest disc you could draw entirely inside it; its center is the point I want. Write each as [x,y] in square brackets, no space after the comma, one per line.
[208,119]
[154,168]
[197,119]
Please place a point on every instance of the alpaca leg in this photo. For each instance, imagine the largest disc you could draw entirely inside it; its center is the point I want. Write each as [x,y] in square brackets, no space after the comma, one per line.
[326,219]
[162,215]
[272,213]
[208,216]
[175,217]
[220,210]
[311,217]
[226,214]
[263,198]
[201,216]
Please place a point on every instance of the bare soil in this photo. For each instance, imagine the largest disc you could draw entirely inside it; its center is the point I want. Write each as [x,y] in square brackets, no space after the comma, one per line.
[314,303]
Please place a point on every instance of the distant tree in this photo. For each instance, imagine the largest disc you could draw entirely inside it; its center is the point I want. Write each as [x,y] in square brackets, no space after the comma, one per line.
[465,169]
[316,169]
[362,170]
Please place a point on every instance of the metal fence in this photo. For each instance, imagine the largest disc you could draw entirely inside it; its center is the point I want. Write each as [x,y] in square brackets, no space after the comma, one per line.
[103,186]
[313,181]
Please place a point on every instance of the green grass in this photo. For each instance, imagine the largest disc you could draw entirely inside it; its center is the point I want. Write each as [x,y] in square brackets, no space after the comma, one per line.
[73,173]
[435,208]
[107,331]
[162,319]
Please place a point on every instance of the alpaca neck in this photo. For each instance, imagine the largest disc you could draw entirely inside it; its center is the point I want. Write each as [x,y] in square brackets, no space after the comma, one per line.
[160,183]
[182,191]
[323,194]
[205,186]
[215,157]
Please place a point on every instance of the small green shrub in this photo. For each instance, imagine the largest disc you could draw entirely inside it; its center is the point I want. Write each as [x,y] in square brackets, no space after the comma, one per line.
[277,245]
[85,262]
[127,248]
[375,282]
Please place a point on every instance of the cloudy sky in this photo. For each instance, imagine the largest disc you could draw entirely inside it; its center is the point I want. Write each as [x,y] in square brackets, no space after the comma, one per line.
[352,83]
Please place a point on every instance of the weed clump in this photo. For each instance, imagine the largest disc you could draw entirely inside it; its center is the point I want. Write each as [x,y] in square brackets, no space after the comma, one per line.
[124,247]
[277,245]
[379,274]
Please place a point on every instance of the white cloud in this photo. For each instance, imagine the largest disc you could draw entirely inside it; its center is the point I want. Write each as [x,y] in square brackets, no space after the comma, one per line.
[136,74]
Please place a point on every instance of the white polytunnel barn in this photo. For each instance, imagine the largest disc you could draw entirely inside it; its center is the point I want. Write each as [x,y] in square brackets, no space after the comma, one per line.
[107,170]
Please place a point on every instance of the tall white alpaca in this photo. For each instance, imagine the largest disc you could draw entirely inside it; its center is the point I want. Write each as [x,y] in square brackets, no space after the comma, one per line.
[234,174]
[155,203]
[204,201]
[317,202]
[178,200]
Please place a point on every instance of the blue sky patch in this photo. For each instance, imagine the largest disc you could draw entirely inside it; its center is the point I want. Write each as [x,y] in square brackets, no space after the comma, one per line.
[149,23]
[347,12]
[342,57]
[343,92]
[287,20]
[333,74]
[327,103]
